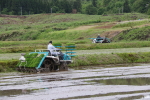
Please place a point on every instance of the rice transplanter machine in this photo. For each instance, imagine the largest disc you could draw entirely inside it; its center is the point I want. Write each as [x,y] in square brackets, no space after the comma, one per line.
[43,61]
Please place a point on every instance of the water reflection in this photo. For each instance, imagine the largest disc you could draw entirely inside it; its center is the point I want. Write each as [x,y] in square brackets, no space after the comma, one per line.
[100,83]
[147,97]
[14,92]
[124,81]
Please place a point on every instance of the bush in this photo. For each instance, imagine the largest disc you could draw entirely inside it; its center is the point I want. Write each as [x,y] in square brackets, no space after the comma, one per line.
[148,12]
[27,27]
[101,11]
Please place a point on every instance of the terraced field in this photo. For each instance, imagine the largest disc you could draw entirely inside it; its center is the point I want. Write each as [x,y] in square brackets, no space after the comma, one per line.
[9,56]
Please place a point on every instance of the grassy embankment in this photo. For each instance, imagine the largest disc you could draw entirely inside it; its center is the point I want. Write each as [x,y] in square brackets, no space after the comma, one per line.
[8,65]
[58,26]
[136,34]
[50,27]
[114,58]
[37,30]
[92,59]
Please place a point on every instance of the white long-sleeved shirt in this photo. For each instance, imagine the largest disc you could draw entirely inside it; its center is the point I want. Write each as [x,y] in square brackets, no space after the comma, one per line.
[52,48]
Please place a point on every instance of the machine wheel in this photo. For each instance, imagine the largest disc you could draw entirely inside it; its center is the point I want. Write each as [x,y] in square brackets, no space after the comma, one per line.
[55,67]
[63,66]
[104,41]
[48,64]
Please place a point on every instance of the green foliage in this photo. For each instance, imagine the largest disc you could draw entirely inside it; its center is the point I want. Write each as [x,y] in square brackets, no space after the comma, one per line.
[141,34]
[91,10]
[130,24]
[27,27]
[77,5]
[5,11]
[94,3]
[104,59]
[101,11]
[140,6]
[54,26]
[14,7]
[55,9]
[126,7]
[148,12]
[8,66]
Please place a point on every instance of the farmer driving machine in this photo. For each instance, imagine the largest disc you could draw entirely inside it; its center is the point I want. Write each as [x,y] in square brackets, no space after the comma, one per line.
[43,61]
[100,40]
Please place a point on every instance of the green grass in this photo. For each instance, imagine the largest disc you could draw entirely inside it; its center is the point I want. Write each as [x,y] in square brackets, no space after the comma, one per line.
[131,24]
[35,31]
[105,59]
[44,26]
[8,65]
[30,46]
[136,34]
[114,45]
[88,60]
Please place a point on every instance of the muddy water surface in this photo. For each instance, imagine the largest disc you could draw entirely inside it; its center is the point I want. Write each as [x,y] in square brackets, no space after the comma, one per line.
[96,83]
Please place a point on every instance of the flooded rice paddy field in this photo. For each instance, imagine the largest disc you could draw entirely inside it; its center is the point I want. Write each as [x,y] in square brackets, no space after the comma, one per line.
[91,83]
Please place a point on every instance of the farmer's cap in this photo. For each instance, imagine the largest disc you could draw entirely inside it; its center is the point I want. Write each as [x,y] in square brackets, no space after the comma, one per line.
[50,41]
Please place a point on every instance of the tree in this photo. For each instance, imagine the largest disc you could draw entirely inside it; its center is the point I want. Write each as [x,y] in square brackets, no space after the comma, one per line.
[5,11]
[94,2]
[65,4]
[148,12]
[101,11]
[105,2]
[55,2]
[77,5]
[16,7]
[55,9]
[140,6]
[91,10]
[126,7]
[99,6]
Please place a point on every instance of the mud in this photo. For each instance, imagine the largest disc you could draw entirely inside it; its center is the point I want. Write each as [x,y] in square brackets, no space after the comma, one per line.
[90,83]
